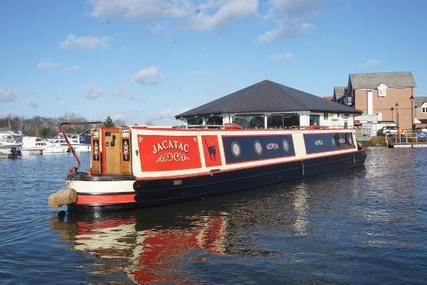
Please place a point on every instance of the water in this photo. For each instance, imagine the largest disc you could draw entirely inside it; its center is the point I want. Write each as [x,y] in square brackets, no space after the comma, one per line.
[366,227]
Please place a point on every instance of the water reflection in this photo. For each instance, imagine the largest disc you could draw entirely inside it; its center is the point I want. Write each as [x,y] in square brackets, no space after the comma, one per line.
[369,221]
[153,245]
[301,209]
[145,253]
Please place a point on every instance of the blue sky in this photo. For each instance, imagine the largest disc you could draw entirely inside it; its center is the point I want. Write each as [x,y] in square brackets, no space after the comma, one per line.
[148,60]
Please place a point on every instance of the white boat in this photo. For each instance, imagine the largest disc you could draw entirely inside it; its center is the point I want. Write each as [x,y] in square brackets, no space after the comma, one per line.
[10,143]
[80,142]
[33,145]
[56,145]
[59,144]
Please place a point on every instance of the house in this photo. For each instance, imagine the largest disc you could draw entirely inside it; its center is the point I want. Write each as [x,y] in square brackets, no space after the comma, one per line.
[268,104]
[388,95]
[421,112]
[339,92]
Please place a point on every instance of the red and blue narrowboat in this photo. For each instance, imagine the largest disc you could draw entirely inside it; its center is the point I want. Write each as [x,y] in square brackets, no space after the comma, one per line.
[142,166]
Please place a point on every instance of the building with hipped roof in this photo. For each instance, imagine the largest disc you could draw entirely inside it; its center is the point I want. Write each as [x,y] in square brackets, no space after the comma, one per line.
[268,104]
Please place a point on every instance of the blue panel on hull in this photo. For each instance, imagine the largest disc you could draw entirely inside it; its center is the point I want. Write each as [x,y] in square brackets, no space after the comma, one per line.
[251,148]
[315,143]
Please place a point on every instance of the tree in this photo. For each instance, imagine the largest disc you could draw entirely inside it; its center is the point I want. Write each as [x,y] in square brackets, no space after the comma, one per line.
[108,123]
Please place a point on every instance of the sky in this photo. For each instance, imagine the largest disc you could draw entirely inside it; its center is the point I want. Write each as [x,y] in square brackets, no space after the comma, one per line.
[145,61]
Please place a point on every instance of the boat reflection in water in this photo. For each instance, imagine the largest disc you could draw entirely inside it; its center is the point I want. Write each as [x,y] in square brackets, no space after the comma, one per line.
[184,243]
[147,253]
[153,245]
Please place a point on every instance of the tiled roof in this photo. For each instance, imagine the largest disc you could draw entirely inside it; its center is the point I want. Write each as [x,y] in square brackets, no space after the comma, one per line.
[390,79]
[267,96]
[419,101]
[339,92]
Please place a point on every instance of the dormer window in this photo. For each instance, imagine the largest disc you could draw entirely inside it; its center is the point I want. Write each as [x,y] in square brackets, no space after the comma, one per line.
[382,90]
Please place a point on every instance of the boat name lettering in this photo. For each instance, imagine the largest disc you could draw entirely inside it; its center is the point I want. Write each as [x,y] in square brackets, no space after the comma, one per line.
[341,141]
[170,144]
[168,157]
[318,142]
[272,146]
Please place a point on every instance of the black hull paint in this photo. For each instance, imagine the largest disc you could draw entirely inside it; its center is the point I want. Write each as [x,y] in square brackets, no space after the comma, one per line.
[160,192]
[157,192]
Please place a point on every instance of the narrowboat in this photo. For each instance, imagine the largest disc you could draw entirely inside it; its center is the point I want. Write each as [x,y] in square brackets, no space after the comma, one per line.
[142,166]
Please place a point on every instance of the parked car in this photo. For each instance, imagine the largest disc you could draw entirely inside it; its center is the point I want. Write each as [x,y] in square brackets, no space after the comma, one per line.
[392,130]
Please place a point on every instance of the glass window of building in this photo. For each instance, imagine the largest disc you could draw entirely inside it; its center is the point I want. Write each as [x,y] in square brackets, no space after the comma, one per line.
[249,122]
[314,120]
[195,121]
[275,121]
[214,120]
[291,121]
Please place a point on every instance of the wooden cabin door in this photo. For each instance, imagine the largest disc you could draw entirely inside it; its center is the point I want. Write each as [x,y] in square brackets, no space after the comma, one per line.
[112,150]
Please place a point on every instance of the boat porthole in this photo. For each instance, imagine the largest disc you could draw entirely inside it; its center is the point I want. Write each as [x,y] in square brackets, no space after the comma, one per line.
[235,149]
[285,145]
[258,147]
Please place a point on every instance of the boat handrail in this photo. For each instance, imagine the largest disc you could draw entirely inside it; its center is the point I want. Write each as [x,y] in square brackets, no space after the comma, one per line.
[237,126]
[75,169]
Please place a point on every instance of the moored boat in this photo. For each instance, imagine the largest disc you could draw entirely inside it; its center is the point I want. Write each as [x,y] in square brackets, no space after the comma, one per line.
[10,143]
[146,166]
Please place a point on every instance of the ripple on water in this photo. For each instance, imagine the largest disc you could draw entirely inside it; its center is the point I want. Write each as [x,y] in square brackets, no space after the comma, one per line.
[366,227]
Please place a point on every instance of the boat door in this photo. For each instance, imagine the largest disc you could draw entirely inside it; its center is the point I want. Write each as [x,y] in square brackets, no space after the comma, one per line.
[112,149]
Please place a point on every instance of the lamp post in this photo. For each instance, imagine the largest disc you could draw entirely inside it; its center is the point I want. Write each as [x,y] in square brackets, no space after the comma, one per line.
[412,113]
[392,113]
[397,113]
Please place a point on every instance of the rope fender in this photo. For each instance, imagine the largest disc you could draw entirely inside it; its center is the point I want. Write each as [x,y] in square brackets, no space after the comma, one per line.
[62,197]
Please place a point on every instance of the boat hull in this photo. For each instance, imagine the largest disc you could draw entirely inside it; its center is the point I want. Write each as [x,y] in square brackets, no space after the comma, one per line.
[114,193]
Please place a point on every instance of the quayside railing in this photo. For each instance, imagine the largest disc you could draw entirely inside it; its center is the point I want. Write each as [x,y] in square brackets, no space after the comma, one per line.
[406,138]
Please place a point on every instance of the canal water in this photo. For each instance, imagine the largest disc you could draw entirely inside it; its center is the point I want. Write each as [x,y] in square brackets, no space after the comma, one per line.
[365,227]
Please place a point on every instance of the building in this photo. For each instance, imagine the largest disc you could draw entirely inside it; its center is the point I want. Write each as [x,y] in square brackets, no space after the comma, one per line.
[268,104]
[339,92]
[421,112]
[387,95]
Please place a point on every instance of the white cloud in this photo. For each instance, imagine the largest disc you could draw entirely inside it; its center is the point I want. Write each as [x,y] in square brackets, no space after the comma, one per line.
[198,15]
[286,31]
[157,117]
[287,56]
[92,91]
[145,9]
[85,42]
[296,8]
[7,96]
[224,13]
[372,62]
[73,69]
[149,75]
[290,18]
[48,65]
